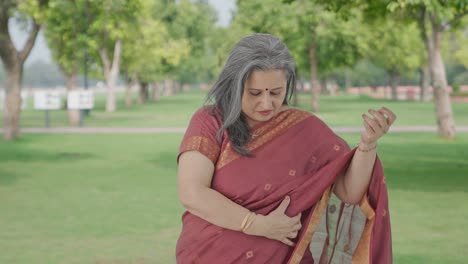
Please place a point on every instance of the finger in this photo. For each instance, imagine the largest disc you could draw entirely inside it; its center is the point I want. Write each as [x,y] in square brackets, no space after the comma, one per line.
[297,227]
[287,242]
[391,116]
[387,119]
[297,218]
[368,127]
[284,205]
[373,124]
[292,235]
[381,120]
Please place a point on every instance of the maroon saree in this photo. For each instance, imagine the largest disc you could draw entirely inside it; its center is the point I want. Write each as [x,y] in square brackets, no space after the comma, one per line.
[296,154]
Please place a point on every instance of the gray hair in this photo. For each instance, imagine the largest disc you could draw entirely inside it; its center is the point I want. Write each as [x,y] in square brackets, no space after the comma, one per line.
[255,52]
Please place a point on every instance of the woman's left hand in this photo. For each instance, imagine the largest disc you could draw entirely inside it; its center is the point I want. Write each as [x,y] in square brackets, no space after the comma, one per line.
[376,126]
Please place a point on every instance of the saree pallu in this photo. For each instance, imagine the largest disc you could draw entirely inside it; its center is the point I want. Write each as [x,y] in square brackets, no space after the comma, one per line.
[298,155]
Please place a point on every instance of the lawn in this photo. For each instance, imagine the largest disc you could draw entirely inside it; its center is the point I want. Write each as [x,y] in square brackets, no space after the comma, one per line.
[176,110]
[113,198]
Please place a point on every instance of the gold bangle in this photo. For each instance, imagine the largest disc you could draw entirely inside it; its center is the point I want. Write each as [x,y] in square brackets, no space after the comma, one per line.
[249,221]
[366,150]
[245,220]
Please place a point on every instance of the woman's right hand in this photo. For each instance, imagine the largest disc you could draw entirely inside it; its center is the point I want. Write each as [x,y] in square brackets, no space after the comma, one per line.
[277,225]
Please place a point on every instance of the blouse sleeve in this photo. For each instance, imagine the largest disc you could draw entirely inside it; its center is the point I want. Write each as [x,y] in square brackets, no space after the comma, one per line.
[201,135]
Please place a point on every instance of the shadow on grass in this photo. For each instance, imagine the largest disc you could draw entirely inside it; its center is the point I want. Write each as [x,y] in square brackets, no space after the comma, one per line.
[24,154]
[20,153]
[8,177]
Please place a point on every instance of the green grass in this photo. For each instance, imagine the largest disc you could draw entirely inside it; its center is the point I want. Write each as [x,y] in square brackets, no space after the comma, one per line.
[176,110]
[113,198]
[346,110]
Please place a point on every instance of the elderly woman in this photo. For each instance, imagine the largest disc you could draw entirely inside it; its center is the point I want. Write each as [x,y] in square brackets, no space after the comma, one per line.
[263,182]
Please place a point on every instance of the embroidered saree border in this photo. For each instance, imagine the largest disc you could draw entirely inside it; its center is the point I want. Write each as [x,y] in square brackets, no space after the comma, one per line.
[264,134]
[203,145]
[312,224]
[362,253]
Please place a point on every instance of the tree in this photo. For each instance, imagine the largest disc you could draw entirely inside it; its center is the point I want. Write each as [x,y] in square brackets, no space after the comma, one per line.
[150,50]
[195,21]
[440,17]
[110,21]
[434,17]
[32,12]
[66,36]
[320,41]
[395,47]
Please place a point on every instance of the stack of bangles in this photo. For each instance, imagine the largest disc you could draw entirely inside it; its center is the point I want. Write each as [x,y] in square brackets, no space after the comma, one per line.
[248,220]
[366,150]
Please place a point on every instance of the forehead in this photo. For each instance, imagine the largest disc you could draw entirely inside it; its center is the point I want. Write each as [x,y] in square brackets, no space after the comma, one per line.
[266,79]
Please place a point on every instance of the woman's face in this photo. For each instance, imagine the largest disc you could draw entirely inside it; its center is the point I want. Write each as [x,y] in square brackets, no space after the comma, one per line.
[263,96]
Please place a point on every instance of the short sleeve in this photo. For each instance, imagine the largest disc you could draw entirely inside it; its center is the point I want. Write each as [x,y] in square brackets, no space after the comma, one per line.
[201,135]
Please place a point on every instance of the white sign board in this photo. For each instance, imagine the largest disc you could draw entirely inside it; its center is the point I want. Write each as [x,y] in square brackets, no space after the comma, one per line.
[80,99]
[47,100]
[24,99]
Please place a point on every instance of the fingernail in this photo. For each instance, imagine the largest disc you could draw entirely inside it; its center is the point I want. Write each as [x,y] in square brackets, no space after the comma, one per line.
[286,198]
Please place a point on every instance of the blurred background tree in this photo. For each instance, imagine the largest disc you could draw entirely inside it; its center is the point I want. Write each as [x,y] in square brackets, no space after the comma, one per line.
[159,47]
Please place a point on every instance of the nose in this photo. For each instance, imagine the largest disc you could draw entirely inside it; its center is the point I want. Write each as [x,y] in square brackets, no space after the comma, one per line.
[266,102]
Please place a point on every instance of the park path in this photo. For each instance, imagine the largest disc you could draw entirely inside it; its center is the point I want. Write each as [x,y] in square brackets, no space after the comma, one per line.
[165,130]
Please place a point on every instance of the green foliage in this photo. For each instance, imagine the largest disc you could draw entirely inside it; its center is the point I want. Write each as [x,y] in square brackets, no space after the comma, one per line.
[365,73]
[339,42]
[110,21]
[194,22]
[149,47]
[66,33]
[223,40]
[396,47]
[34,9]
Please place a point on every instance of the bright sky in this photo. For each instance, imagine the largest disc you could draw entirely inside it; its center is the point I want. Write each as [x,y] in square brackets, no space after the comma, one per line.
[42,52]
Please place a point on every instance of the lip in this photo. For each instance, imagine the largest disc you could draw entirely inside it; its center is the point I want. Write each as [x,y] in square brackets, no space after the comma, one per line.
[265,113]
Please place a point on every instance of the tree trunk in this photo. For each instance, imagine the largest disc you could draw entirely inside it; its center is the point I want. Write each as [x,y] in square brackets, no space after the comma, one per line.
[144,93]
[177,87]
[73,114]
[315,87]
[394,81]
[424,82]
[128,95]
[347,79]
[111,72]
[299,87]
[131,82]
[155,95]
[13,61]
[111,99]
[168,87]
[12,108]
[443,105]
[128,91]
